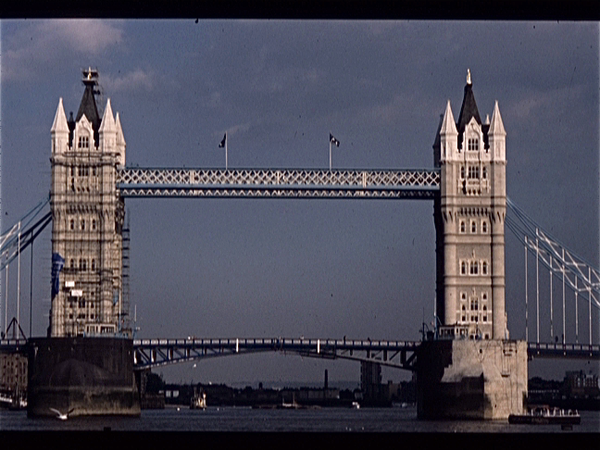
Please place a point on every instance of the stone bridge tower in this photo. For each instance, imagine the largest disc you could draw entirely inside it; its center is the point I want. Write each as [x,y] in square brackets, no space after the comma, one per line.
[87,219]
[469,220]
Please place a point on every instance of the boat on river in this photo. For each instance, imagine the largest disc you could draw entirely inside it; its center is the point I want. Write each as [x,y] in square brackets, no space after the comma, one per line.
[544,415]
[198,400]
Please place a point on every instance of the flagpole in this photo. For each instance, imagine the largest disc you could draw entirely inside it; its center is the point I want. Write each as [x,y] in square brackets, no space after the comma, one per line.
[330,151]
[225,150]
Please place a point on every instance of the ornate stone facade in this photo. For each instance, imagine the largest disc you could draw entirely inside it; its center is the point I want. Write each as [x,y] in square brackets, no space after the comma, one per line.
[87,219]
[469,219]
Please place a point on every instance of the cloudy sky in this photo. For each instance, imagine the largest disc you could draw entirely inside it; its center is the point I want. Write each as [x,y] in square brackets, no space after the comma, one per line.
[268,268]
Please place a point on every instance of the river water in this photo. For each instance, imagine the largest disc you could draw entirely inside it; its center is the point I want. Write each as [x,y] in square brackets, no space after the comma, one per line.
[329,420]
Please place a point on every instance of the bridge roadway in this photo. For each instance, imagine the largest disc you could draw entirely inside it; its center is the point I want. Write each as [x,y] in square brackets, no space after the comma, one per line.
[150,353]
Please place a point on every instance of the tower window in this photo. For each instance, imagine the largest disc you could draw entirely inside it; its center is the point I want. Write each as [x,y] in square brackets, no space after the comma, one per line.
[473,144]
[484,226]
[72,224]
[484,173]
[484,268]
[83,224]
[474,269]
[463,226]
[93,224]
[473,173]
[463,268]
[83,142]
[462,172]
[93,264]
[473,227]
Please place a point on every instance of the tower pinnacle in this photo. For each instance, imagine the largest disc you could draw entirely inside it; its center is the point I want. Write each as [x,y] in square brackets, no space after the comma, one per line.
[469,76]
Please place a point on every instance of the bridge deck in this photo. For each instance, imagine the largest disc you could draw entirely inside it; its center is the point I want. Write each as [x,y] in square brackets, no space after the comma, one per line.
[150,353]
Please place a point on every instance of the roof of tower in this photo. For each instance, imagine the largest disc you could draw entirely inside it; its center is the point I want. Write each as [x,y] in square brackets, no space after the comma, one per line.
[496,125]
[108,121]
[60,120]
[469,106]
[448,125]
[88,101]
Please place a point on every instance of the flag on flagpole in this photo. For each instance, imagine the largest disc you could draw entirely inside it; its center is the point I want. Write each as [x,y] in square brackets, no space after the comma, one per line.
[222,144]
[334,140]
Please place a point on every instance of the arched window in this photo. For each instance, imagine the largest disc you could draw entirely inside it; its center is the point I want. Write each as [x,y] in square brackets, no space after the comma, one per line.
[473,227]
[83,142]
[484,226]
[474,268]
[83,224]
[93,224]
[93,264]
[473,144]
[463,268]
[484,268]
[463,226]
[462,172]
[72,224]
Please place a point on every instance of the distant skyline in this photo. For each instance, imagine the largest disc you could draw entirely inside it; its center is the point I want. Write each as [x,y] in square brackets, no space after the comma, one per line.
[268,268]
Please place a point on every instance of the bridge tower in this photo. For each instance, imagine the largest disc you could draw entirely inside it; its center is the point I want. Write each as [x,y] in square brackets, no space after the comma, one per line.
[87,219]
[473,370]
[469,220]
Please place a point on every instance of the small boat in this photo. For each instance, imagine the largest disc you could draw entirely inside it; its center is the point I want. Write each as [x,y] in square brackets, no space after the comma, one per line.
[544,415]
[355,405]
[198,400]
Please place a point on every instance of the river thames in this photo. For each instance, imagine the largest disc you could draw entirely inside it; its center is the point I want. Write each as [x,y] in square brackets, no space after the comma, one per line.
[329,420]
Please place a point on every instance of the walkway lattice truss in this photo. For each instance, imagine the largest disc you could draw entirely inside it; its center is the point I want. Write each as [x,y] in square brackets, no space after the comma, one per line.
[282,183]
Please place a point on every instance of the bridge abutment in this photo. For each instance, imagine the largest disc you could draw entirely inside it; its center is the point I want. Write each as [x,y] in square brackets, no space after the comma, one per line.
[82,377]
[471,379]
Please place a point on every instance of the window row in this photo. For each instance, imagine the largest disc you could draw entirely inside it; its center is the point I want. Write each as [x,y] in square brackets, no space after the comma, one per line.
[83,265]
[473,226]
[473,144]
[464,318]
[474,267]
[81,316]
[83,171]
[471,172]
[81,224]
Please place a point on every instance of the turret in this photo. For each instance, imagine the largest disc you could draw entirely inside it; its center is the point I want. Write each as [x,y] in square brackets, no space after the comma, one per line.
[108,131]
[497,136]
[448,136]
[120,142]
[60,130]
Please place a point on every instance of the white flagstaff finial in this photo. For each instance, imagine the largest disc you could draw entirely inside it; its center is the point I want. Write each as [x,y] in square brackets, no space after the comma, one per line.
[468,76]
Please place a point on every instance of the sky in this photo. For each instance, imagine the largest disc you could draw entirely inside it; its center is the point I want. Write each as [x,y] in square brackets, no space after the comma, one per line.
[325,268]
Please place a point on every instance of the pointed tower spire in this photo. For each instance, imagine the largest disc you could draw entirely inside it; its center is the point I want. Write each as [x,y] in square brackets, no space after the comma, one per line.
[446,141]
[448,125]
[496,125]
[108,121]
[60,129]
[60,119]
[108,130]
[497,136]
[121,144]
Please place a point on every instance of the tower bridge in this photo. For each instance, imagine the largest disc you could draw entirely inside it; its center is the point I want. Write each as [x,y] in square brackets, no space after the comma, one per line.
[90,182]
